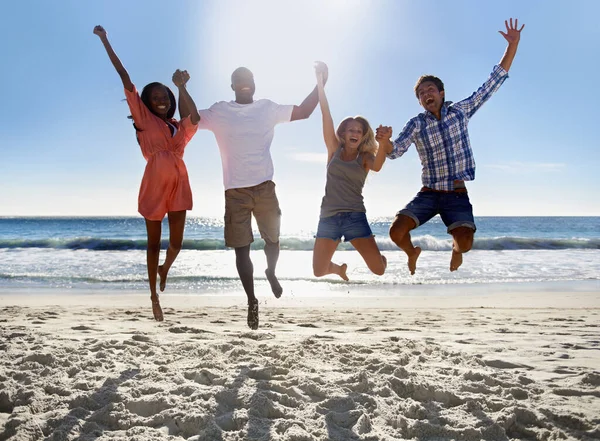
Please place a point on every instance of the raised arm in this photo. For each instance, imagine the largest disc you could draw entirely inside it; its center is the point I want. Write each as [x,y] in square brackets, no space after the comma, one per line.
[512,36]
[329,136]
[307,107]
[180,79]
[127,84]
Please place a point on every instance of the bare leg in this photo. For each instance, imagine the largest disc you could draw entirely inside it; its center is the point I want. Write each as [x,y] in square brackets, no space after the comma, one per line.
[176,227]
[400,235]
[462,243]
[272,253]
[153,228]
[246,272]
[368,249]
[322,253]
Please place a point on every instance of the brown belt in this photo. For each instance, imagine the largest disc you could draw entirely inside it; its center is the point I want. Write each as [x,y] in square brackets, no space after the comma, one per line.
[459,187]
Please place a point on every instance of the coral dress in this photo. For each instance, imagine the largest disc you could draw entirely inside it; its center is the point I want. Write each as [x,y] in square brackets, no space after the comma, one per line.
[165,186]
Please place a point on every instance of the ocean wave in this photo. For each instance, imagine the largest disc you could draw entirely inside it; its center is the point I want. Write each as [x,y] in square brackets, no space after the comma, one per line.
[429,243]
[187,281]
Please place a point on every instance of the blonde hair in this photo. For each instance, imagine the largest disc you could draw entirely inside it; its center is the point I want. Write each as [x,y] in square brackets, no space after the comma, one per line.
[367,143]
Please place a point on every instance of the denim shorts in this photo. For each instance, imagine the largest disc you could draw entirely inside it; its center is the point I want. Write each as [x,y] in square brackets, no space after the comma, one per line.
[454,208]
[350,225]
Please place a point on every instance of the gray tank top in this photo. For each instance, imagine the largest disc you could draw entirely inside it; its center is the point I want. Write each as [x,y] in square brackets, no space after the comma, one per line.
[343,189]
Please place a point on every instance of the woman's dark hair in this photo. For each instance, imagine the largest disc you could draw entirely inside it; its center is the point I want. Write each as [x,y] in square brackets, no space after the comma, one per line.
[145,97]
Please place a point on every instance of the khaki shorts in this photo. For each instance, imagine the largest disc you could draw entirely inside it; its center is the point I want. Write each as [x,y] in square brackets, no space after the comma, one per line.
[241,203]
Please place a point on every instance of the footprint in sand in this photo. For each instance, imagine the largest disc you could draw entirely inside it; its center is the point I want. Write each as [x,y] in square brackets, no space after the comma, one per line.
[188,330]
[84,328]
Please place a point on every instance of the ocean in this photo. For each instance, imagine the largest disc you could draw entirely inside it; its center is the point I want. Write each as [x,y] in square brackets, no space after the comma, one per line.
[108,254]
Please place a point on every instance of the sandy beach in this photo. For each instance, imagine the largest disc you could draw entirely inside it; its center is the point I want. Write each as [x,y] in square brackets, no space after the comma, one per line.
[524,365]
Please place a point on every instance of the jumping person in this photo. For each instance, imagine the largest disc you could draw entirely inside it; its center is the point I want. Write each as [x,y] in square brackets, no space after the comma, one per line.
[351,153]
[165,187]
[442,140]
[244,129]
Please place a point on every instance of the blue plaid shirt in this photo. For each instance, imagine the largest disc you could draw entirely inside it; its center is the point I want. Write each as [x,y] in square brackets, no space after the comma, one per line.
[443,145]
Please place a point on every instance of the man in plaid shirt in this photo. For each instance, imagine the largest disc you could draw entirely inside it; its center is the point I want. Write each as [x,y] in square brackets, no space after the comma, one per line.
[442,140]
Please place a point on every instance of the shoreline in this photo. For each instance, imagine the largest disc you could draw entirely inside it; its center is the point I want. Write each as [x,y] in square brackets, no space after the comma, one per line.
[568,295]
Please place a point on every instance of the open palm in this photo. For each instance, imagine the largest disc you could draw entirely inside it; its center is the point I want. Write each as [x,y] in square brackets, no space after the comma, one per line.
[513,33]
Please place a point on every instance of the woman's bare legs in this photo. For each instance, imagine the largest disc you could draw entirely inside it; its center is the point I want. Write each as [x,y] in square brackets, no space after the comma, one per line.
[176,227]
[368,249]
[322,254]
[153,228]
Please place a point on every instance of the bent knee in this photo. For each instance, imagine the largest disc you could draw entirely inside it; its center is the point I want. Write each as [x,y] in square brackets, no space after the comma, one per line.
[401,226]
[397,232]
[463,244]
[319,272]
[464,248]
[379,271]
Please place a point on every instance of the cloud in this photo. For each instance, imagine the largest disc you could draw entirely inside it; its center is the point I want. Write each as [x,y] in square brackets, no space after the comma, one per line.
[527,167]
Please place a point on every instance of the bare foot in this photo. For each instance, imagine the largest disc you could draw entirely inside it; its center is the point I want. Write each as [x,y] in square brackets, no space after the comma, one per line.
[384,261]
[157,310]
[163,278]
[412,260]
[342,273]
[253,314]
[456,261]
[275,286]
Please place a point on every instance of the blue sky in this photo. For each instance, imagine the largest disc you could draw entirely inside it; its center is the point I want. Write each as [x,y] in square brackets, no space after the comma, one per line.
[68,149]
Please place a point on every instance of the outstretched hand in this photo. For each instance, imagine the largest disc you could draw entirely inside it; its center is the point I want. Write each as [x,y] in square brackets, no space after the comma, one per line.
[322,71]
[180,78]
[513,33]
[99,31]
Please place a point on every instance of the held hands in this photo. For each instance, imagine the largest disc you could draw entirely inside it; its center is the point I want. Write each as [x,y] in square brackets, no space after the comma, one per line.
[100,31]
[382,136]
[512,34]
[322,72]
[180,78]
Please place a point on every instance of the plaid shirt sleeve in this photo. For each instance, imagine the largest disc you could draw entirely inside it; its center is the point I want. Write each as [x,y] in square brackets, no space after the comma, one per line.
[404,140]
[474,102]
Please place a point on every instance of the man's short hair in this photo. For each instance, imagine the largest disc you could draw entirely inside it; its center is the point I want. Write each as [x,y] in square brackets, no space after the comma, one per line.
[241,71]
[435,80]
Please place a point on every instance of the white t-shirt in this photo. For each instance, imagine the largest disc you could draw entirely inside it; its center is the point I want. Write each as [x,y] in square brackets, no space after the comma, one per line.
[244,133]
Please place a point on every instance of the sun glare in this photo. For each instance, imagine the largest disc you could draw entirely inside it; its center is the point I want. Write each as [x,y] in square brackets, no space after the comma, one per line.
[280,41]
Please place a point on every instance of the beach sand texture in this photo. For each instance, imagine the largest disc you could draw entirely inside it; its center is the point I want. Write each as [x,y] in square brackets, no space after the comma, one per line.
[96,369]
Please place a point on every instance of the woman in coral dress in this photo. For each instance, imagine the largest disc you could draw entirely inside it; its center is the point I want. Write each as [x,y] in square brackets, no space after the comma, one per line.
[165,188]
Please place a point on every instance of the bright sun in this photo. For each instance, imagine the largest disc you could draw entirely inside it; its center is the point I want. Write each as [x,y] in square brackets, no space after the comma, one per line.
[280,40]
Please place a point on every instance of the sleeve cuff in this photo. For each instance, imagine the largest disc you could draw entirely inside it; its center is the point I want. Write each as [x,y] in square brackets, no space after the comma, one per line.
[499,70]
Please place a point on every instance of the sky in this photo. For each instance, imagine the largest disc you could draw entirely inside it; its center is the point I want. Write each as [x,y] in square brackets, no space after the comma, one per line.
[67,147]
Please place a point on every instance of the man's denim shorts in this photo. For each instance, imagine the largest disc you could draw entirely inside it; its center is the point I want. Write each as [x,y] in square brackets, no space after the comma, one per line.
[454,208]
[350,225]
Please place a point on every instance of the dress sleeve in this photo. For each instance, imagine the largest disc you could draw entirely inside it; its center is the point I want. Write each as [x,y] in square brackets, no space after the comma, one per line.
[139,111]
[188,129]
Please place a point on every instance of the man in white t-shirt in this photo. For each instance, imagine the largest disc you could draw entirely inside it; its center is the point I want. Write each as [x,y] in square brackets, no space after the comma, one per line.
[244,130]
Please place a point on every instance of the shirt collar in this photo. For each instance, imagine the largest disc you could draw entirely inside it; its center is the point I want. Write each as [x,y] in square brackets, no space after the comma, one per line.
[444,110]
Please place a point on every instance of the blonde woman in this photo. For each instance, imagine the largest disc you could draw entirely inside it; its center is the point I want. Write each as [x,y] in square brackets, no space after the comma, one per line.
[351,153]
